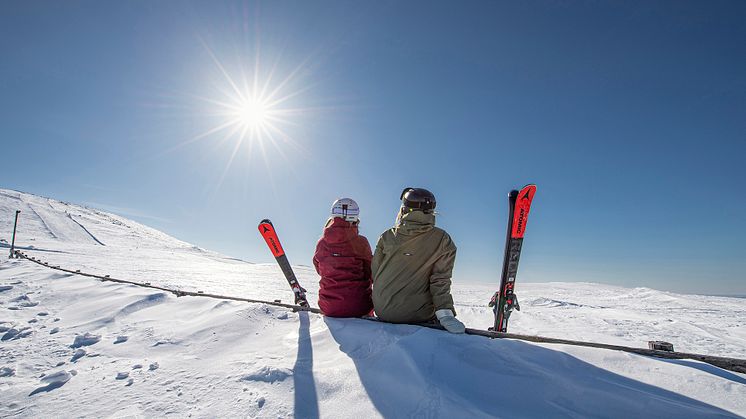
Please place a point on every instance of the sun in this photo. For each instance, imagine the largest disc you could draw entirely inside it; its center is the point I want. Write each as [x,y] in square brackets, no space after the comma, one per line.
[252,107]
[253,113]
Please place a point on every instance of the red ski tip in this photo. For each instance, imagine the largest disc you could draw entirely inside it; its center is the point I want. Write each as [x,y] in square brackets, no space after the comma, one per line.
[522,207]
[267,230]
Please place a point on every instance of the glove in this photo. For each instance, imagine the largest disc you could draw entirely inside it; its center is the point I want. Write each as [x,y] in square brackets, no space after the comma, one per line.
[449,321]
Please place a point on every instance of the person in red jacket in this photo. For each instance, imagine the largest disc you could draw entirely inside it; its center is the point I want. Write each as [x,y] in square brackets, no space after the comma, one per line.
[342,259]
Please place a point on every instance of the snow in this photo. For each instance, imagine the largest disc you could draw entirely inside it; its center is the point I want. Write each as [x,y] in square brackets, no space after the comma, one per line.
[76,346]
[53,381]
[85,340]
[78,354]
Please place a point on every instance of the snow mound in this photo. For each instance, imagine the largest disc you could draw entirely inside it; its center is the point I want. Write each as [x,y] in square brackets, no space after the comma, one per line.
[87,339]
[54,381]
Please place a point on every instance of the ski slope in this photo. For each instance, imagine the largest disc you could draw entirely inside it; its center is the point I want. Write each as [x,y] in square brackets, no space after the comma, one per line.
[73,346]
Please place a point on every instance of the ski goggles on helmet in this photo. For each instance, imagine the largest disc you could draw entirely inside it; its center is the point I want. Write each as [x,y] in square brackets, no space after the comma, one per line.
[418,199]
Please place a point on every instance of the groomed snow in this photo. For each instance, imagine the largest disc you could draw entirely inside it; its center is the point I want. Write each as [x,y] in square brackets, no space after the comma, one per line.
[74,346]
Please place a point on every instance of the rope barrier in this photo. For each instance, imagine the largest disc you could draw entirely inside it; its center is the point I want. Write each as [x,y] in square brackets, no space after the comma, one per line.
[732,364]
[178,293]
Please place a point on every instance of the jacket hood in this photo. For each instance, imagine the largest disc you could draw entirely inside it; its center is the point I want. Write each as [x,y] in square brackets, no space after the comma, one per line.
[414,222]
[337,230]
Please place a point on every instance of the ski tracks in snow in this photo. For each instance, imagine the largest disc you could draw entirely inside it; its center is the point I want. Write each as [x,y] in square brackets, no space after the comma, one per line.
[46,217]
[85,229]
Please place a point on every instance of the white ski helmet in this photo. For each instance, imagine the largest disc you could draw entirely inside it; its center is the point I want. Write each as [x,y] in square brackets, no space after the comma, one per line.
[346,209]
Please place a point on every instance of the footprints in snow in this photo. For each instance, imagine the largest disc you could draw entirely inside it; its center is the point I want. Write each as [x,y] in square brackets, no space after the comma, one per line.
[14,334]
[268,375]
[26,322]
[21,302]
[10,331]
[59,378]
[138,368]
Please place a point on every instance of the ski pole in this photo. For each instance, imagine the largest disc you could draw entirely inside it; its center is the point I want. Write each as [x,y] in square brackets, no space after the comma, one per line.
[13,241]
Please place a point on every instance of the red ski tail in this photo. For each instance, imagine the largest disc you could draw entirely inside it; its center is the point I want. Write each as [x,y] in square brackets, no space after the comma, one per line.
[522,207]
[267,230]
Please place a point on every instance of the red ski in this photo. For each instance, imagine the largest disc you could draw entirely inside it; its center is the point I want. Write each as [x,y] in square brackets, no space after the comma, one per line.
[504,300]
[267,230]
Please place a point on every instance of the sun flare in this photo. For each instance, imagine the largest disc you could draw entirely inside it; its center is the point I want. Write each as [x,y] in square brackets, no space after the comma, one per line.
[251,107]
[253,113]
[254,105]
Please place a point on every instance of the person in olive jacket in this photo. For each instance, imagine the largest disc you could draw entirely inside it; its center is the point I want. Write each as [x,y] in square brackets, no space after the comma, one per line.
[412,266]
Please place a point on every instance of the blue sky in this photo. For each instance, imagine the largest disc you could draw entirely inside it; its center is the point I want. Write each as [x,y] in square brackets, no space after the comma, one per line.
[630,118]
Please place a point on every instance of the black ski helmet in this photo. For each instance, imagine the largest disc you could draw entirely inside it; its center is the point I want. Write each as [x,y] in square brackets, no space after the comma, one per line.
[418,199]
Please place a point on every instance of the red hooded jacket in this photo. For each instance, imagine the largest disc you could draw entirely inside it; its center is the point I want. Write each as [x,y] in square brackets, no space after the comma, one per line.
[342,259]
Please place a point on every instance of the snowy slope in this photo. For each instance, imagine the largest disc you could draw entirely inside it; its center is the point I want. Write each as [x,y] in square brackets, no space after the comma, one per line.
[73,346]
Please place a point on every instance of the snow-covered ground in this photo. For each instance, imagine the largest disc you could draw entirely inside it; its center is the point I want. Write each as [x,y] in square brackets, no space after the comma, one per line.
[74,346]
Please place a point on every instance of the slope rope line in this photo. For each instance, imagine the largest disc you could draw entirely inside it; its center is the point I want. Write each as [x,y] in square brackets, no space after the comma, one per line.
[732,364]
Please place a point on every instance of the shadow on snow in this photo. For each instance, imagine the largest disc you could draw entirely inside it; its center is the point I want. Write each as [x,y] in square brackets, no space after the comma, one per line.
[306,399]
[411,371]
[711,369]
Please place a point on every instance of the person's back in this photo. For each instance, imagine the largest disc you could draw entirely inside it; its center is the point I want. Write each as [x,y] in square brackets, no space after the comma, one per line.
[343,258]
[412,266]
[412,270]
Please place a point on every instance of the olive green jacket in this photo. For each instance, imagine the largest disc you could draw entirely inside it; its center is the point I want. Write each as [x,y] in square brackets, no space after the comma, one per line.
[412,268]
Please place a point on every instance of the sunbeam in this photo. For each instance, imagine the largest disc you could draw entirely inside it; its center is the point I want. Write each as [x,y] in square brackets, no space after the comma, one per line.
[252,108]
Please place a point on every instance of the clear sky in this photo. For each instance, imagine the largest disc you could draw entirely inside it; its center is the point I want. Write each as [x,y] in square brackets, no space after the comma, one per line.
[202,118]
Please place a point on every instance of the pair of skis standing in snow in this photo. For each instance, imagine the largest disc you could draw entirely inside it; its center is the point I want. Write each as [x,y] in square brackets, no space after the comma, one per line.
[408,278]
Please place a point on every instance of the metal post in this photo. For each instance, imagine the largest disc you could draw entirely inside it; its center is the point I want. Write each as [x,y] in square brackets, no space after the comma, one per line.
[13,242]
